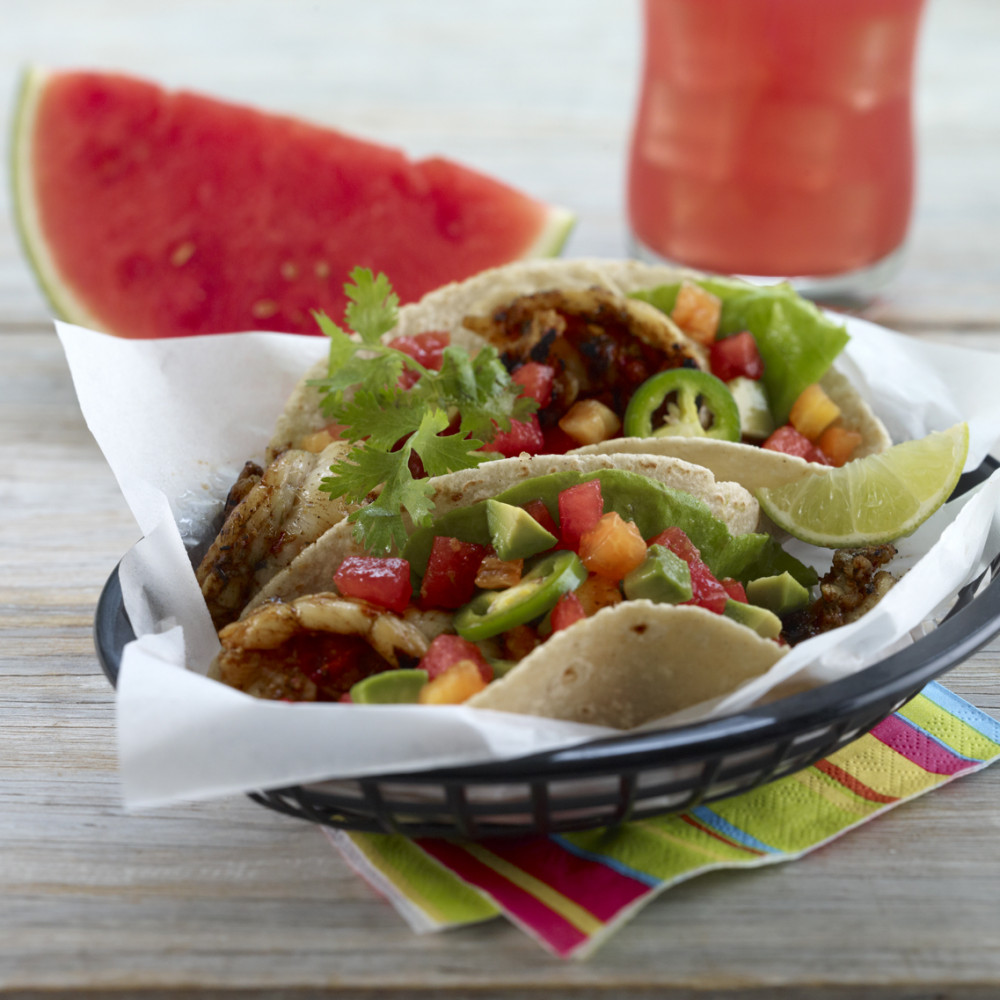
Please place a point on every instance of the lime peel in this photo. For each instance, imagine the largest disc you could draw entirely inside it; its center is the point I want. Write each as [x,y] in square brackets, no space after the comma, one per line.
[873,499]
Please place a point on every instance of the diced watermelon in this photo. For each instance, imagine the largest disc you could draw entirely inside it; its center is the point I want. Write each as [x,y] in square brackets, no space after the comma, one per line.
[567,611]
[450,578]
[384,582]
[538,510]
[425,348]
[523,436]
[580,508]
[789,441]
[735,357]
[537,380]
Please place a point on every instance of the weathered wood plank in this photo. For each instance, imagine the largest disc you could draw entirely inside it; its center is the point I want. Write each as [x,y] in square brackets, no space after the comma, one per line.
[214,898]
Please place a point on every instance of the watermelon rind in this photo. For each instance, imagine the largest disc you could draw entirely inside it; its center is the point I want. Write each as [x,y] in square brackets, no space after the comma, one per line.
[554,234]
[65,304]
[61,295]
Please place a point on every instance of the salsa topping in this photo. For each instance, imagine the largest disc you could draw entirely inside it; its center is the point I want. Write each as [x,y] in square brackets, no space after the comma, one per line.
[450,614]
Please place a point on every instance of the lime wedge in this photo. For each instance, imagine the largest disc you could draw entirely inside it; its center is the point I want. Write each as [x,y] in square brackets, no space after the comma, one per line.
[872,499]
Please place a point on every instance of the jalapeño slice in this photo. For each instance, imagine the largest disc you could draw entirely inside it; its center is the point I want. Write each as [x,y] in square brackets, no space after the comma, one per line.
[496,611]
[693,393]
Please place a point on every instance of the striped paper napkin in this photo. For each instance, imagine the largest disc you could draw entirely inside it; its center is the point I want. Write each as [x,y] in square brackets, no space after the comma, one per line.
[572,891]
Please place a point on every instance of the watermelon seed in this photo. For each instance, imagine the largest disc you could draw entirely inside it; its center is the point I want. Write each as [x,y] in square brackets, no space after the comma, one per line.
[182,254]
[322,269]
[289,270]
[264,308]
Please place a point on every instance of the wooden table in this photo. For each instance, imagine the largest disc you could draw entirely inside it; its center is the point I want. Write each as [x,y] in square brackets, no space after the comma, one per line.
[226,897]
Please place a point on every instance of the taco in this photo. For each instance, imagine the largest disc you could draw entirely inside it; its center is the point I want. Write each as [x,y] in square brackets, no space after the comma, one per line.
[606,327]
[592,342]
[600,589]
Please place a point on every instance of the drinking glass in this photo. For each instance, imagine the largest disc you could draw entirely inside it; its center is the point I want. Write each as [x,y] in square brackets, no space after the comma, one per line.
[774,139]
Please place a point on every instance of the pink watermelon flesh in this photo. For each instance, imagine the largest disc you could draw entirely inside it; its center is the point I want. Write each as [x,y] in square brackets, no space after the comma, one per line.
[169,213]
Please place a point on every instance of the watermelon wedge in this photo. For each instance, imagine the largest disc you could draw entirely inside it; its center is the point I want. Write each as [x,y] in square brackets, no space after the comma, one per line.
[148,213]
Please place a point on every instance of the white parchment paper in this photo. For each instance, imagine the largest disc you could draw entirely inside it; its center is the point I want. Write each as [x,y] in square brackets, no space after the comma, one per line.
[177,419]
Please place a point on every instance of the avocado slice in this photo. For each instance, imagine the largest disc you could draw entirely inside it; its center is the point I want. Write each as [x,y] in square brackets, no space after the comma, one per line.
[781,594]
[765,623]
[662,577]
[515,534]
[391,687]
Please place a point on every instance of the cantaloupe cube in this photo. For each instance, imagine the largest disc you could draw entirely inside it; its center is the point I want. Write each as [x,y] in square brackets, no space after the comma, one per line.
[697,312]
[458,683]
[838,444]
[813,412]
[614,548]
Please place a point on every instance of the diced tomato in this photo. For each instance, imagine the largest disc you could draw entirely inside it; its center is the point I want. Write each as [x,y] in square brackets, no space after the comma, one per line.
[384,582]
[613,547]
[523,436]
[735,590]
[789,441]
[736,356]
[567,611]
[580,508]
[446,650]
[538,510]
[557,441]
[450,579]
[706,591]
[536,379]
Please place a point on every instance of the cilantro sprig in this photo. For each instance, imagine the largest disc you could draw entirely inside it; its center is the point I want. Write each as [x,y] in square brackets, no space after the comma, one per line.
[443,418]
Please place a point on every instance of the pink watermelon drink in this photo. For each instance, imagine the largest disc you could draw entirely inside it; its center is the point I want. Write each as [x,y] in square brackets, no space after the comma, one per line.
[773,137]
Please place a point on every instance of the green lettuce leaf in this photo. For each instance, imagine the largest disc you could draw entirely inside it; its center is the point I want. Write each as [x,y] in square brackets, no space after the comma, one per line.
[797,342]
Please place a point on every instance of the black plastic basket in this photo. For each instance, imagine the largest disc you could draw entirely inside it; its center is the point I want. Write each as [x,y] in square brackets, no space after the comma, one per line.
[611,780]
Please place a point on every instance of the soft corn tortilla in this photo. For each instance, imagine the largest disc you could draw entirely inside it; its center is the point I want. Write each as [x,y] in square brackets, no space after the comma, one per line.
[446,307]
[631,664]
[312,570]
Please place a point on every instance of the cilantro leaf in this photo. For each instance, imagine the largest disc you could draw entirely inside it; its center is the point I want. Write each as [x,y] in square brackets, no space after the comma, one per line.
[389,424]
[382,416]
[442,453]
[372,311]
